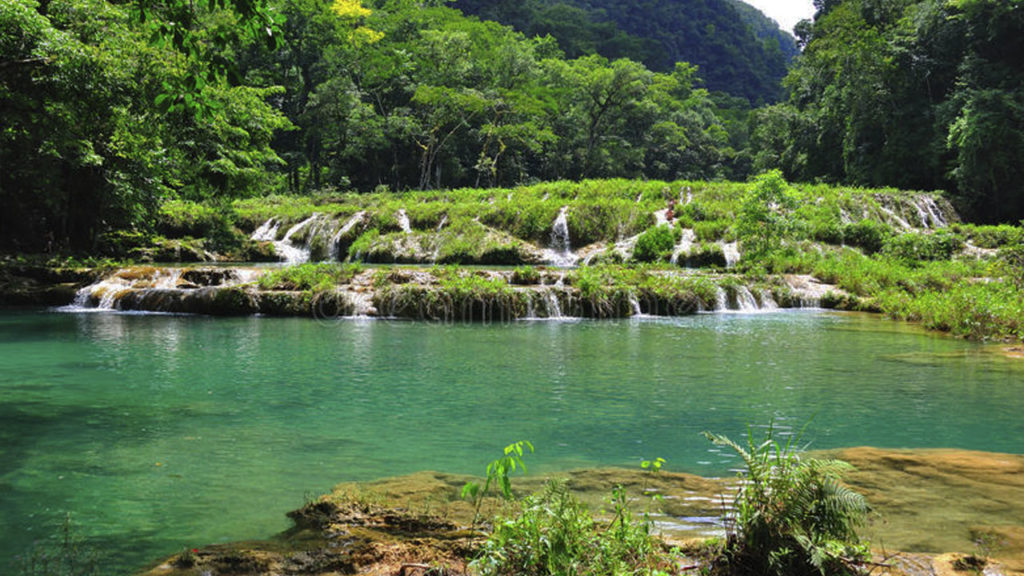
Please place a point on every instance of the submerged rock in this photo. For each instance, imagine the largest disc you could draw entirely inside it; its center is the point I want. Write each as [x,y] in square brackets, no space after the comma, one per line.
[948,511]
[943,501]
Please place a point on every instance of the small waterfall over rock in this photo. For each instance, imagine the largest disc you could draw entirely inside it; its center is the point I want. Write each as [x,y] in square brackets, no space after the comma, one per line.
[634,305]
[731,251]
[745,301]
[267,232]
[403,221]
[284,247]
[335,244]
[661,218]
[721,299]
[560,253]
[686,242]
[155,289]
[929,213]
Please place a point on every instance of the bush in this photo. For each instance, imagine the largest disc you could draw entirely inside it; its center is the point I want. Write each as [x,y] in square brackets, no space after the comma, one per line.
[868,235]
[706,256]
[525,276]
[554,534]
[792,515]
[655,244]
[308,277]
[711,230]
[915,246]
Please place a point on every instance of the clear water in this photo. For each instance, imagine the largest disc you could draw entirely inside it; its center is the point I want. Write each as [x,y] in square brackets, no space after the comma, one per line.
[159,432]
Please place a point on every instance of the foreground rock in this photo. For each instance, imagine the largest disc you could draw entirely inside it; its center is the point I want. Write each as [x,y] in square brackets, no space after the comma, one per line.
[936,512]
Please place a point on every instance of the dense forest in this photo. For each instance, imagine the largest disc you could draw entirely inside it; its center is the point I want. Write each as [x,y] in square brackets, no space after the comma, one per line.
[111,108]
[738,50]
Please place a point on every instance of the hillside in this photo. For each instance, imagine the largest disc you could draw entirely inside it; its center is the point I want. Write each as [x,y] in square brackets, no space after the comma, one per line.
[739,50]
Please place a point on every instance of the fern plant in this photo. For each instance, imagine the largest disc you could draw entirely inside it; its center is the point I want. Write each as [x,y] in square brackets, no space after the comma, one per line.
[793,516]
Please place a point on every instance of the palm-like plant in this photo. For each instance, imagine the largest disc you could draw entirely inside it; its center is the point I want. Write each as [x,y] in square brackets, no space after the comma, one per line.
[793,516]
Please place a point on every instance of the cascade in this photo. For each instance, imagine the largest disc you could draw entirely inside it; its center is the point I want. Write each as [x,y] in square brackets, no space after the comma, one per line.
[767,302]
[745,301]
[560,254]
[686,242]
[107,293]
[900,222]
[444,220]
[661,217]
[721,299]
[731,251]
[267,232]
[335,250]
[403,221]
[931,215]
[291,253]
[634,305]
[552,309]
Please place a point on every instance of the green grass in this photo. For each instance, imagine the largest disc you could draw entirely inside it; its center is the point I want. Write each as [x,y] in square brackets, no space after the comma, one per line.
[314,278]
[851,237]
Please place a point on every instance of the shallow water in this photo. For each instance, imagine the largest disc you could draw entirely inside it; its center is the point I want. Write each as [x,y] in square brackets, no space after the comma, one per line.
[159,433]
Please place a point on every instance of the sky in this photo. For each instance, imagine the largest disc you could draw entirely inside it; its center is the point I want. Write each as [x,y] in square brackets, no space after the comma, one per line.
[786,12]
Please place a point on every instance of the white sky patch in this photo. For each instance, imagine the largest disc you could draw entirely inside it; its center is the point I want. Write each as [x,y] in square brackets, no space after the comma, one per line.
[786,12]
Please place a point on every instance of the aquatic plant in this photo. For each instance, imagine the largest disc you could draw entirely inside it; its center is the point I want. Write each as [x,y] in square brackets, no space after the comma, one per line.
[792,515]
[66,555]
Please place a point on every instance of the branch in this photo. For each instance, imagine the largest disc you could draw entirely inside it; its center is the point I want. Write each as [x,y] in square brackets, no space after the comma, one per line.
[26,62]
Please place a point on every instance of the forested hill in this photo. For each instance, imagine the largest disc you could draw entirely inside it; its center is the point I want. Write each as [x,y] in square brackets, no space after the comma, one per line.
[738,49]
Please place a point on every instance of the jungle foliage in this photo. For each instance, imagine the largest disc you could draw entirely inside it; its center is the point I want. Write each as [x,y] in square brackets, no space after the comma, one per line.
[915,94]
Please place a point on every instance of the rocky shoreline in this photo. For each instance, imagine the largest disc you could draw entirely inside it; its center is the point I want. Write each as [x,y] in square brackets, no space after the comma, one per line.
[933,506]
[417,293]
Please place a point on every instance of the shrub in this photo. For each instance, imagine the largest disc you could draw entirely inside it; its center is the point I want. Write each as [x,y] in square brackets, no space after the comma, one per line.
[764,217]
[915,246]
[554,534]
[655,244]
[308,277]
[711,230]
[525,276]
[792,515]
[869,235]
[706,256]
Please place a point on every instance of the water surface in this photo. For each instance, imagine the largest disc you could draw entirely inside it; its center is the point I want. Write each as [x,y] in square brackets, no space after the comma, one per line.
[164,432]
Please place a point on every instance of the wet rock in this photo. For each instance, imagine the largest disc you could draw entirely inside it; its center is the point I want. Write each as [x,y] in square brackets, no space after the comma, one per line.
[209,276]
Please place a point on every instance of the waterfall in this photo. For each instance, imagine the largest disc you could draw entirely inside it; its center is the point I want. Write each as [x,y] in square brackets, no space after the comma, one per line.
[745,301]
[931,215]
[685,195]
[403,221]
[361,304]
[560,254]
[267,232]
[721,299]
[444,220]
[284,248]
[732,254]
[552,309]
[661,217]
[335,249]
[106,293]
[634,305]
[684,246]
[767,302]
[900,222]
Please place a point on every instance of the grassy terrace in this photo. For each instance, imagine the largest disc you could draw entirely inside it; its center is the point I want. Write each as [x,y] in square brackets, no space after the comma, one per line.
[905,254]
